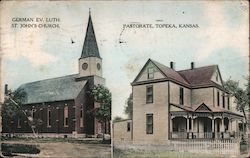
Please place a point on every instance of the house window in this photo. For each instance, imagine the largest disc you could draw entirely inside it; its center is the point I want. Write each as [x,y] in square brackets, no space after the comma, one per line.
[181,96]
[149,124]
[149,94]
[217,77]
[150,73]
[18,123]
[66,118]
[218,98]
[223,101]
[128,126]
[228,103]
[49,118]
[81,117]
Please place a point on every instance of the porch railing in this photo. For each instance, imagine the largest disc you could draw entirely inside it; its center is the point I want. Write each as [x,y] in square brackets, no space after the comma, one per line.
[204,135]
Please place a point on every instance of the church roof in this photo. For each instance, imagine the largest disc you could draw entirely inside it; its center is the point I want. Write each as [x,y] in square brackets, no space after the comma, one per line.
[90,48]
[55,89]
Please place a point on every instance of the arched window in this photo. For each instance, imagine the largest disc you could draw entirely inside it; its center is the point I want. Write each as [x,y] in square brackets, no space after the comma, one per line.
[66,116]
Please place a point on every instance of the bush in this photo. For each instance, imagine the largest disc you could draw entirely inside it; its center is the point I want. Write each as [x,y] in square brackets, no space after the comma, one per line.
[9,149]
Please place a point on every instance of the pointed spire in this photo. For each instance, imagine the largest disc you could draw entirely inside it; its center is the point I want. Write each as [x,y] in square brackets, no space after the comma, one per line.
[90,48]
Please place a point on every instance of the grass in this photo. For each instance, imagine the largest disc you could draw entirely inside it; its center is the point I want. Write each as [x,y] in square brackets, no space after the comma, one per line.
[46,140]
[159,154]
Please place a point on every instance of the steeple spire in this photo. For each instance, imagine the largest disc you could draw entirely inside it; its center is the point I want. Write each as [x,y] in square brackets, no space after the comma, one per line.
[90,48]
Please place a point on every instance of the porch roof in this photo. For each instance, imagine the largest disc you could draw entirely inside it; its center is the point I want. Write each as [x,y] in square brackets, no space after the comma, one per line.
[203,108]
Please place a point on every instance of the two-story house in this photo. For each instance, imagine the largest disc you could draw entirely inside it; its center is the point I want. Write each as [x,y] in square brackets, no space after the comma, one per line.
[186,104]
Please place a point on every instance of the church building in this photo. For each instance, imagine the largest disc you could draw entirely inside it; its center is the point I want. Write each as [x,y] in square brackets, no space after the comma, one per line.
[63,105]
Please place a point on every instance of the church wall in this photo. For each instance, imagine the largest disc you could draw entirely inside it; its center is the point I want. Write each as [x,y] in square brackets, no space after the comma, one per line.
[57,118]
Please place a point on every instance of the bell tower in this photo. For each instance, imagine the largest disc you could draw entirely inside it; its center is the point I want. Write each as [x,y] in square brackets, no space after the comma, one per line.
[90,62]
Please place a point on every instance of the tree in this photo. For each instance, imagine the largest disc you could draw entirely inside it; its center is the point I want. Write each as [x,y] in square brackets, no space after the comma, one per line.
[102,96]
[129,108]
[10,109]
[241,95]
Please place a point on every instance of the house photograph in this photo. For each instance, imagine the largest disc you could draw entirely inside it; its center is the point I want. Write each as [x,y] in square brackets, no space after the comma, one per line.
[186,85]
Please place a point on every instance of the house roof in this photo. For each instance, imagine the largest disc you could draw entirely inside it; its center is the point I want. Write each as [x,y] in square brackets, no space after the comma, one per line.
[55,89]
[193,78]
[90,48]
[195,108]
[214,109]
[170,73]
[199,76]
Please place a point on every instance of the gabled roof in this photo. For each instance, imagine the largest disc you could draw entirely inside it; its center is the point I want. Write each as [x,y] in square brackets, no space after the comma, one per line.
[192,78]
[199,76]
[170,73]
[90,48]
[202,108]
[55,89]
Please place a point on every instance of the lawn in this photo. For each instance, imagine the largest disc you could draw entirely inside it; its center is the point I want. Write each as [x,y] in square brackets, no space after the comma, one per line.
[63,147]
[165,154]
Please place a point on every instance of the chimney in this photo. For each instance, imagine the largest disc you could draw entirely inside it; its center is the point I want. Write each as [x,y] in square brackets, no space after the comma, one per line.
[192,65]
[6,89]
[172,65]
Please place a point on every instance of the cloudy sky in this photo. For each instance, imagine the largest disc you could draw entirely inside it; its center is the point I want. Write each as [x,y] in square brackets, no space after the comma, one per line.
[35,54]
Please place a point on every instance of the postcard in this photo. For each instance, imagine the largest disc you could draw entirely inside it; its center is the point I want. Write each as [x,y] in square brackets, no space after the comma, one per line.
[124,78]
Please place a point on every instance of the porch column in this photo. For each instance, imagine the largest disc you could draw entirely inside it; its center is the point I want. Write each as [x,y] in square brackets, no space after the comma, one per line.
[222,125]
[192,124]
[171,125]
[231,125]
[187,127]
[243,126]
[213,132]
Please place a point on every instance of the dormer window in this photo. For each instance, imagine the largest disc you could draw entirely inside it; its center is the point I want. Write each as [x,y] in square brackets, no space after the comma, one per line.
[150,73]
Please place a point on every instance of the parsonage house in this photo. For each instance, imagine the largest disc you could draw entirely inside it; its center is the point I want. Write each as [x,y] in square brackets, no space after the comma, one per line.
[187,104]
[64,104]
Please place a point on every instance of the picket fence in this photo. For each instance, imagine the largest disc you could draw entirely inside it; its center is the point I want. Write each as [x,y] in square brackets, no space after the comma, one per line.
[219,146]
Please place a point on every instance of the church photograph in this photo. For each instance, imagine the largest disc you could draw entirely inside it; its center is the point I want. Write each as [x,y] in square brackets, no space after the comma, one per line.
[62,103]
[51,83]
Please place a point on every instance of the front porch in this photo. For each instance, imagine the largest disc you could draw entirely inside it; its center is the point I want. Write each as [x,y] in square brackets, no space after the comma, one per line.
[196,125]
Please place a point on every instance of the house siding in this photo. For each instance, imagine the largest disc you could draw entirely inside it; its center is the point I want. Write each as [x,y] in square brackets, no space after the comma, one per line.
[203,95]
[175,94]
[159,109]
[121,132]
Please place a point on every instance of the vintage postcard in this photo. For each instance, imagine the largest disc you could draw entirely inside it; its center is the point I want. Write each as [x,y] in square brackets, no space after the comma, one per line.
[124,79]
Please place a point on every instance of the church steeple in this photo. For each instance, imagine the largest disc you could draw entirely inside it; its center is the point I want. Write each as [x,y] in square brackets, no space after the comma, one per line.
[90,48]
[90,62]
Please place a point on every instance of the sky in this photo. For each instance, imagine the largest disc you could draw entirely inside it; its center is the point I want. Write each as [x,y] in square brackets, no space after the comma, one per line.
[31,54]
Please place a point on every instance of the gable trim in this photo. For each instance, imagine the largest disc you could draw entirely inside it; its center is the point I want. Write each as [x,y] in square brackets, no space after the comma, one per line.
[149,60]
[203,104]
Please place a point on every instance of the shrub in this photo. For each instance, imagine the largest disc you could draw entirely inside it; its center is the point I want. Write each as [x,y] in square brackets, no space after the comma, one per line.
[9,149]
